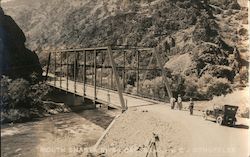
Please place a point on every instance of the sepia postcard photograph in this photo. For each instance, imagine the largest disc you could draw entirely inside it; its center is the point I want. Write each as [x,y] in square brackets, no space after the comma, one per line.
[124,78]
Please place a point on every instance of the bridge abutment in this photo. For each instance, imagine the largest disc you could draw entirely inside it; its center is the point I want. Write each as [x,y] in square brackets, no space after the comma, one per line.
[71,100]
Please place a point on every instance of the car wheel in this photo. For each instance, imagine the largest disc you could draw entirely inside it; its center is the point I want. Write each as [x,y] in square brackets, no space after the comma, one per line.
[219,120]
[233,123]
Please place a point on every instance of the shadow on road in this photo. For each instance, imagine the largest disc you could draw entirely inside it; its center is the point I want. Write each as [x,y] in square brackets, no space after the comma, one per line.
[241,126]
[237,126]
[96,116]
[196,115]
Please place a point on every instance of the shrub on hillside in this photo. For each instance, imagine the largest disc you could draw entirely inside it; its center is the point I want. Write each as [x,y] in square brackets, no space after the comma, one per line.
[218,87]
[4,96]
[154,88]
[203,88]
[226,4]
[206,87]
[191,89]
[244,73]
[178,85]
[131,77]
[222,72]
[20,94]
[38,93]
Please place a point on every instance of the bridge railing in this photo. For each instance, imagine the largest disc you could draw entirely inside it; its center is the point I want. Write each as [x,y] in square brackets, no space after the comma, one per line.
[131,70]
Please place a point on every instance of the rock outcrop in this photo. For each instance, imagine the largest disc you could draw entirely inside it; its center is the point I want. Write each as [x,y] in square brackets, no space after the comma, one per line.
[16,60]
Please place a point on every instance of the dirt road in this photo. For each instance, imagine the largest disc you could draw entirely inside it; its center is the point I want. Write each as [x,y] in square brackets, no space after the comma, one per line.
[208,139]
[180,134]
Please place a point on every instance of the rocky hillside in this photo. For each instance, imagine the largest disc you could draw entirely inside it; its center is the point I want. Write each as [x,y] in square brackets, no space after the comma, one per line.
[204,40]
[16,60]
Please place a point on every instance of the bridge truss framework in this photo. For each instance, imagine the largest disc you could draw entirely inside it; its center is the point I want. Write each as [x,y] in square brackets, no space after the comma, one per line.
[93,61]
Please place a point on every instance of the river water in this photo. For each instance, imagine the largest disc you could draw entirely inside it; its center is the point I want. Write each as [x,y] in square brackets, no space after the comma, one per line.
[62,135]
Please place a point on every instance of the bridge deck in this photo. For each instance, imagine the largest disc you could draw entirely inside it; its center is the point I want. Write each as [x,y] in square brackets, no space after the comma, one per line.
[102,95]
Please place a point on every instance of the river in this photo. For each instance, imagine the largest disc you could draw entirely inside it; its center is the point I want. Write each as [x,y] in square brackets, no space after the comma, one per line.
[63,134]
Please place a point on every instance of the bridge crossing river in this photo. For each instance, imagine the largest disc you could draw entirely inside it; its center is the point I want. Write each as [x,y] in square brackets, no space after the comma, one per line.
[71,70]
[104,96]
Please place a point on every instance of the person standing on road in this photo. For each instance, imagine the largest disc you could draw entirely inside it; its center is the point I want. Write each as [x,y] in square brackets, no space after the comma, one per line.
[172,102]
[191,106]
[179,102]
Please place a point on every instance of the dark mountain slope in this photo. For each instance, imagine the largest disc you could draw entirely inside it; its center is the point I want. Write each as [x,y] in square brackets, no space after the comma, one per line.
[16,60]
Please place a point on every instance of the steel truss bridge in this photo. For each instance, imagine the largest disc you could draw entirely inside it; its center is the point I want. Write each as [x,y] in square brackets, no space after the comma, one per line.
[110,75]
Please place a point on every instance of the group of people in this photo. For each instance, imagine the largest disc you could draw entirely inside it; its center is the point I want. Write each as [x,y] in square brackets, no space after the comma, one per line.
[173,101]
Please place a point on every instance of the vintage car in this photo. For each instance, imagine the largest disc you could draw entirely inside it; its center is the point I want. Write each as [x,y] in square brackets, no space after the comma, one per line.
[223,115]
